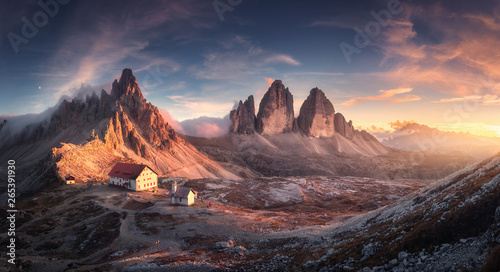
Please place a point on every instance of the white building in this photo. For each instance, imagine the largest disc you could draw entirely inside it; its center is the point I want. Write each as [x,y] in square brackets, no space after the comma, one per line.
[135,177]
[182,195]
[69,179]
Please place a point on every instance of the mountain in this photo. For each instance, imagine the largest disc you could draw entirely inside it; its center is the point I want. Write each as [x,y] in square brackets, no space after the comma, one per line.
[452,225]
[275,111]
[317,119]
[86,137]
[317,115]
[243,118]
[342,127]
[318,142]
[419,137]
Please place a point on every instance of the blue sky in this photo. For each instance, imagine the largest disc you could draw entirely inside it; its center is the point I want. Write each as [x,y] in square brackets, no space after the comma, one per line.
[434,62]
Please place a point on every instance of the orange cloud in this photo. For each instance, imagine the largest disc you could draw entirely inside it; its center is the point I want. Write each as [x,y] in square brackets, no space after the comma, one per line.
[483,100]
[171,121]
[208,130]
[281,58]
[269,81]
[453,64]
[399,124]
[406,98]
[384,96]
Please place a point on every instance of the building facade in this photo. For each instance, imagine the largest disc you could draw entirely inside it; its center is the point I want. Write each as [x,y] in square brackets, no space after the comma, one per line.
[70,179]
[135,177]
[184,196]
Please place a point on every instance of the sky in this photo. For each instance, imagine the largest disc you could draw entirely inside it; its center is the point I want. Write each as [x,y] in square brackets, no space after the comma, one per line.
[433,62]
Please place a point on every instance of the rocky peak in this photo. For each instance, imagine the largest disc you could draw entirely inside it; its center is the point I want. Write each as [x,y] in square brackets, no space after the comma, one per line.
[127,87]
[317,115]
[276,110]
[342,127]
[243,118]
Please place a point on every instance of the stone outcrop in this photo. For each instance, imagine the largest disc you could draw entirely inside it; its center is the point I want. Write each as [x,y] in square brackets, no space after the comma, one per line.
[276,111]
[132,113]
[342,127]
[317,115]
[130,119]
[243,118]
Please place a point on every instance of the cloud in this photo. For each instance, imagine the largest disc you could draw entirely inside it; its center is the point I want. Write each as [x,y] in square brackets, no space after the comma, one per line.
[112,39]
[482,100]
[440,49]
[171,121]
[384,96]
[379,132]
[193,107]
[406,98]
[398,124]
[207,127]
[315,74]
[280,58]
[269,81]
[18,123]
[239,59]
[332,23]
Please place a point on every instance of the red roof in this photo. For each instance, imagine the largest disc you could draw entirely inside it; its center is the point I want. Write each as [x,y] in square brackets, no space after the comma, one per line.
[128,170]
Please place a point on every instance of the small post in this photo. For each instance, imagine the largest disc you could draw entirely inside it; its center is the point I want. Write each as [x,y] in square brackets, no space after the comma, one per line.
[158,245]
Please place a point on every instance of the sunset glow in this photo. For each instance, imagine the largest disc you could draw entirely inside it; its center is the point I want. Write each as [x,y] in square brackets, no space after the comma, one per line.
[435,63]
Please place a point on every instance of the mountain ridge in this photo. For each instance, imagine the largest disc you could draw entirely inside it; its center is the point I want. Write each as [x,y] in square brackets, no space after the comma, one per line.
[317,119]
[420,137]
[122,123]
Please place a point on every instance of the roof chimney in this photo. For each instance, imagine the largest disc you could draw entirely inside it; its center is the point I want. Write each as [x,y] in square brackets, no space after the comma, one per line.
[174,187]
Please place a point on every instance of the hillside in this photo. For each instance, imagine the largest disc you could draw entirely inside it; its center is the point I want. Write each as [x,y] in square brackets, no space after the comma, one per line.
[293,154]
[266,224]
[87,136]
[319,141]
[453,225]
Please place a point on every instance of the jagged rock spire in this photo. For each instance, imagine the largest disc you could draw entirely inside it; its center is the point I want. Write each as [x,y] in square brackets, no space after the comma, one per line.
[317,115]
[127,86]
[243,118]
[276,110]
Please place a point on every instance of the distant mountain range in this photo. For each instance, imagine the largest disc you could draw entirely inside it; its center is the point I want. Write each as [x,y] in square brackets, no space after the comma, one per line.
[86,136]
[318,142]
[317,119]
[418,137]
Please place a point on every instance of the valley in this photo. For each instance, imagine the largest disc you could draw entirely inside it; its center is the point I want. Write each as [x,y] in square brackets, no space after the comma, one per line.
[275,193]
[86,227]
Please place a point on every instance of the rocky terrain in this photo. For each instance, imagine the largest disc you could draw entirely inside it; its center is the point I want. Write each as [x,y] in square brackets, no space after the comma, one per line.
[243,118]
[275,114]
[317,115]
[452,225]
[317,118]
[290,194]
[318,142]
[85,137]
[105,228]
[269,224]
[292,154]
